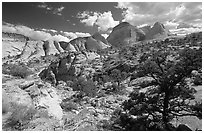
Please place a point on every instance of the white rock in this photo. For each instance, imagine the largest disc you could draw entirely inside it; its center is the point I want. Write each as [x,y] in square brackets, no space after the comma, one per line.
[51,101]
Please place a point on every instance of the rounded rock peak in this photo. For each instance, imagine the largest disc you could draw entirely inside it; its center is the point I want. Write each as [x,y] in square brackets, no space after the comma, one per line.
[122,24]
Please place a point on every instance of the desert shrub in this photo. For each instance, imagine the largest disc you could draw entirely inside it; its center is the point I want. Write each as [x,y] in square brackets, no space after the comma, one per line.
[117,77]
[85,86]
[68,106]
[20,117]
[18,70]
[197,80]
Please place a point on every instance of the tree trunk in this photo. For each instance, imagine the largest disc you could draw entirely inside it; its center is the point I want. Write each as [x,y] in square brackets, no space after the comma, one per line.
[165,110]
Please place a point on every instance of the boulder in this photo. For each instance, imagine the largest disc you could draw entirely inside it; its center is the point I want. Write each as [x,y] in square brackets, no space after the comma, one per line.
[195,73]
[50,100]
[26,84]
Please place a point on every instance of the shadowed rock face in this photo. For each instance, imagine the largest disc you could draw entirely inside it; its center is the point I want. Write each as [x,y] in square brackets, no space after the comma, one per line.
[62,69]
[124,34]
[79,43]
[58,47]
[98,36]
[183,127]
[46,47]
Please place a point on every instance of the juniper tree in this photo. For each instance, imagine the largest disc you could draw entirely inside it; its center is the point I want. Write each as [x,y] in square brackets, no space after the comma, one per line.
[170,96]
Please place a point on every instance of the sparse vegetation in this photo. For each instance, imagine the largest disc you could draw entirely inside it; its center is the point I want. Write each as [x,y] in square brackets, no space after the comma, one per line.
[154,80]
[20,117]
[197,80]
[85,86]
[18,70]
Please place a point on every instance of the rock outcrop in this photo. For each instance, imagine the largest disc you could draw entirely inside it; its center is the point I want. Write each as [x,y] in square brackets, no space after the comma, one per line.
[63,69]
[98,36]
[58,47]
[46,47]
[84,45]
[24,48]
[146,29]
[124,34]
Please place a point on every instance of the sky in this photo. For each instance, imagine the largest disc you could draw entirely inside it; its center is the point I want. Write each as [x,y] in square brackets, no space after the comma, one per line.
[64,21]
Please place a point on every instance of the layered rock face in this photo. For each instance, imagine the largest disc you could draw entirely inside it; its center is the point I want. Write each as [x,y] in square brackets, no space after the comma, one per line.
[93,43]
[125,34]
[25,48]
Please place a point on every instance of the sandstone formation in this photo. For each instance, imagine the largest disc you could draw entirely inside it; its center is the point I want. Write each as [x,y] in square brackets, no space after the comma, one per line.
[98,36]
[84,45]
[58,47]
[62,69]
[124,34]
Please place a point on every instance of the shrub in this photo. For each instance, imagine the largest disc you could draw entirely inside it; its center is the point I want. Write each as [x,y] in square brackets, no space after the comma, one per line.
[20,117]
[68,106]
[18,70]
[197,80]
[85,86]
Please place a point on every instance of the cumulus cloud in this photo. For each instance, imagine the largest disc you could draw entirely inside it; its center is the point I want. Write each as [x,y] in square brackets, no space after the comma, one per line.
[106,21]
[73,35]
[42,34]
[81,34]
[184,31]
[139,13]
[32,33]
[70,35]
[57,11]
[59,37]
[49,30]
[26,31]
[9,29]
[171,25]
[90,21]
[103,21]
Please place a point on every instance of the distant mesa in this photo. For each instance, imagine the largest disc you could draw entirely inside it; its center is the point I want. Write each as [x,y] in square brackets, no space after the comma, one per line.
[125,34]
[157,31]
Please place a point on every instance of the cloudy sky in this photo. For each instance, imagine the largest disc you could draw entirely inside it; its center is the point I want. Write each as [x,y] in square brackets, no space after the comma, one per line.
[68,20]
